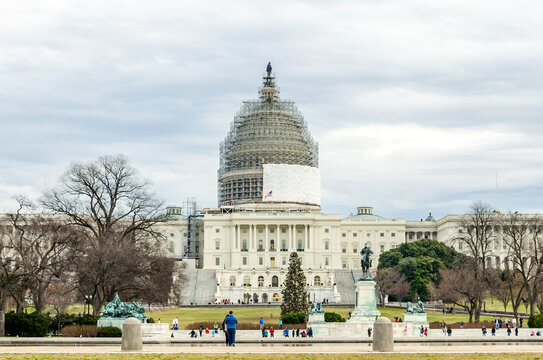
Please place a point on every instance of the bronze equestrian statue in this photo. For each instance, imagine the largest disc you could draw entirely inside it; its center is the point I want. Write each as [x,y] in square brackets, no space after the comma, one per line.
[365,262]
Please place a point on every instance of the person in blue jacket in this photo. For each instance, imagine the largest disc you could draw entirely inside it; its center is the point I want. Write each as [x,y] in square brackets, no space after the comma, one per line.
[231,322]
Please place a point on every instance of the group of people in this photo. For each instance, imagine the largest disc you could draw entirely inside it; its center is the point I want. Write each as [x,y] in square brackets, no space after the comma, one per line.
[297,333]
[446,329]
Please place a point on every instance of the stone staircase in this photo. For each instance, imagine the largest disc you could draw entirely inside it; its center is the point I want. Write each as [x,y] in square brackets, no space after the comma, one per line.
[200,286]
[345,282]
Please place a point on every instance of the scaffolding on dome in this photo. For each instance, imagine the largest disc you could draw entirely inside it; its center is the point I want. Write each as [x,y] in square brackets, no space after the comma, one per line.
[264,131]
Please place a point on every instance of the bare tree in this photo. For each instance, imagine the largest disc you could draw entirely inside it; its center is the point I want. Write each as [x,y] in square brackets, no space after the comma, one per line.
[31,249]
[391,282]
[460,287]
[522,234]
[478,233]
[60,295]
[41,244]
[115,213]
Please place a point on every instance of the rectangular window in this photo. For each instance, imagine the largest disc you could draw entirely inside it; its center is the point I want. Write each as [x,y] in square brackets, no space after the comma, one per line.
[299,230]
[343,235]
[283,230]
[344,250]
[283,260]
[393,234]
[185,234]
[382,248]
[217,230]
[460,246]
[260,230]
[344,264]
[260,261]
[217,261]
[326,230]
[355,234]
[244,260]
[217,245]
[382,234]
[326,245]
[410,236]
[326,261]
[272,230]
[244,230]
[355,250]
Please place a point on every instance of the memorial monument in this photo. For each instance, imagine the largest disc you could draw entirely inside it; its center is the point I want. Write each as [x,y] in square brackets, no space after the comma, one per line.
[116,312]
[418,317]
[365,298]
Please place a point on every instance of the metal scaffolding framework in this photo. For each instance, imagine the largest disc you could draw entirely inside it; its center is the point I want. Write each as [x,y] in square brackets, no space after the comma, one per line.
[264,131]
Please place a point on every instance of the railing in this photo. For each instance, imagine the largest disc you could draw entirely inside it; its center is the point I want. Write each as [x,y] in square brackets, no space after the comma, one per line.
[284,249]
[244,249]
[299,250]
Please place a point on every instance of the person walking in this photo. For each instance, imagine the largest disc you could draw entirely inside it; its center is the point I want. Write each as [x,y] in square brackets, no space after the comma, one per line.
[405,330]
[369,331]
[280,323]
[449,330]
[493,331]
[271,331]
[261,323]
[426,331]
[231,322]
[216,328]
[516,331]
[508,330]
[483,330]
[421,331]
[201,328]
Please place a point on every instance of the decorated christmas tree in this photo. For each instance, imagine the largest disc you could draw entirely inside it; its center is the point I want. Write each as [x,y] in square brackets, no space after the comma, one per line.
[294,292]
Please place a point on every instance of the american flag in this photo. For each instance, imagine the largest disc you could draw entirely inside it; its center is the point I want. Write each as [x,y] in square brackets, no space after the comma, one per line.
[268,195]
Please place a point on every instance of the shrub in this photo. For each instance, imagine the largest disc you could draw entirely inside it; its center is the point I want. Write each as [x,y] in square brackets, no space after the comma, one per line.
[86,320]
[80,330]
[333,317]
[110,331]
[535,321]
[294,318]
[26,324]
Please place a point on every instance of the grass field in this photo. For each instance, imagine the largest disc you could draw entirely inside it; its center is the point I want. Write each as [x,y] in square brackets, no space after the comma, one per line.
[271,315]
[403,356]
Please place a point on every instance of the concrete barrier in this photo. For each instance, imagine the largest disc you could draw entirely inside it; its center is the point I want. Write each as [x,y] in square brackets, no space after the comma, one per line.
[383,339]
[132,339]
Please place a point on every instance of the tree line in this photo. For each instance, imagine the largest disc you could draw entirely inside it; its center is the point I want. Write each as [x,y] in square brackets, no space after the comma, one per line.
[92,236]
[432,270]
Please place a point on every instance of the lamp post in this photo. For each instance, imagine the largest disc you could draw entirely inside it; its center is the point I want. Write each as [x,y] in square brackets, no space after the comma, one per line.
[88,301]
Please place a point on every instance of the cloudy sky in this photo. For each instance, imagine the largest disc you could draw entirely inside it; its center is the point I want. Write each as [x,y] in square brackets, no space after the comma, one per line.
[416,105]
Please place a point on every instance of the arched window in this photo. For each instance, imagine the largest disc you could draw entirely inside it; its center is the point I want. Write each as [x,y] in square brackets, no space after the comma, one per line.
[275,281]
[272,245]
[246,281]
[260,281]
[299,244]
[326,245]
[244,245]
[265,298]
[172,247]
[232,280]
[275,297]
[317,281]
[283,244]
[260,245]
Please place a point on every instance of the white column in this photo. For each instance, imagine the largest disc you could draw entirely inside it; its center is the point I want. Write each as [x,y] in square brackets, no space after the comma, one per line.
[250,245]
[289,239]
[266,244]
[306,229]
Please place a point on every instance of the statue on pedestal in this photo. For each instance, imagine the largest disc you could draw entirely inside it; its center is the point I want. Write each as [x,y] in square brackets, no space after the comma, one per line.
[365,262]
[316,308]
[420,306]
[409,308]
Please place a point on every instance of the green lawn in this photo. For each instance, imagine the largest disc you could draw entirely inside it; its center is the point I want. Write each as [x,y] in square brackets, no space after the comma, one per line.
[403,356]
[271,315]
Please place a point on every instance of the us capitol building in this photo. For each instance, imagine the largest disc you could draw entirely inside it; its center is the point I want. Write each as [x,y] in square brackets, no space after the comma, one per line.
[269,206]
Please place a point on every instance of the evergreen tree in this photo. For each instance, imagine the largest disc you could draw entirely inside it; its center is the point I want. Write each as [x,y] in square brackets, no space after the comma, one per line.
[294,291]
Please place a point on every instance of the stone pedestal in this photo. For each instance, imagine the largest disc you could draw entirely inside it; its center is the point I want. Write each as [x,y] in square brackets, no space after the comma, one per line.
[132,338]
[365,310]
[416,319]
[383,339]
[315,318]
